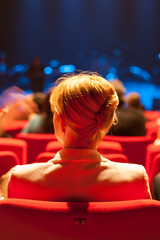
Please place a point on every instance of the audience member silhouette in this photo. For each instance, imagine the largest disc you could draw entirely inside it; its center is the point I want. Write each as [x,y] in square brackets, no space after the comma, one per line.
[133,100]
[41,122]
[131,121]
[36,75]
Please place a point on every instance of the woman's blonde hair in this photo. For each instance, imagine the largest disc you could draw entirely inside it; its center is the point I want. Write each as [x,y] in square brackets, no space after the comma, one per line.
[87,103]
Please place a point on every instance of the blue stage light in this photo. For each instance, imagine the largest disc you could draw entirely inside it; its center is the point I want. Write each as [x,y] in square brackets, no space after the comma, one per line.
[54,63]
[111,76]
[48,70]
[18,68]
[67,68]
[24,80]
[135,70]
[117,52]
[2,68]
[142,73]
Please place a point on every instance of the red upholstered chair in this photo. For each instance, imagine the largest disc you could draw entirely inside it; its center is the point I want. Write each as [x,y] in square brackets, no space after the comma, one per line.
[19,147]
[151,151]
[133,147]
[107,147]
[152,129]
[7,161]
[116,157]
[36,143]
[155,168]
[15,127]
[104,147]
[53,146]
[152,115]
[126,220]
[45,156]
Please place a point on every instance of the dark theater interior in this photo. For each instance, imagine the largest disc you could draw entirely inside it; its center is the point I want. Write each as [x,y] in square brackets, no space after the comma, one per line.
[79,119]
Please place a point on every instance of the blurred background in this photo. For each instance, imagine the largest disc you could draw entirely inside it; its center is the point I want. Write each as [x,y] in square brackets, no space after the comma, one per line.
[116,38]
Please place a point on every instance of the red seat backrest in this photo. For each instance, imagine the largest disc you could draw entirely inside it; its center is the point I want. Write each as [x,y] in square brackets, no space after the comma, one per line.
[133,147]
[152,129]
[154,168]
[45,156]
[104,147]
[116,157]
[107,147]
[126,220]
[7,161]
[53,146]
[36,143]
[19,147]
[152,115]
[15,127]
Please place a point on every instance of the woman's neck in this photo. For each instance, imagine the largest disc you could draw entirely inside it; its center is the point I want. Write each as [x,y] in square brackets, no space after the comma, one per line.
[70,141]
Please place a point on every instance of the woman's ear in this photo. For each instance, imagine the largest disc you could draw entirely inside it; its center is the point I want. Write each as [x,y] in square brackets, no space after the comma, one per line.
[59,127]
[62,123]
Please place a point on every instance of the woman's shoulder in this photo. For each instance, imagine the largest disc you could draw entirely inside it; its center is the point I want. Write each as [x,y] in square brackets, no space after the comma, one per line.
[130,169]
[33,170]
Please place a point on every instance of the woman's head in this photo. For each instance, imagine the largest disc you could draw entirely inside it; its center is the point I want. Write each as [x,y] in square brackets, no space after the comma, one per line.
[86,102]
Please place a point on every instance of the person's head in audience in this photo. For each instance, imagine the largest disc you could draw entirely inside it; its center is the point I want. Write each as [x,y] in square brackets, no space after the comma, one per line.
[48,115]
[39,98]
[133,100]
[84,107]
[120,89]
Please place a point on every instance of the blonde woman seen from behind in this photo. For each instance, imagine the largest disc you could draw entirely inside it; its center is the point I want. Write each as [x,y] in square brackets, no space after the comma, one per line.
[84,107]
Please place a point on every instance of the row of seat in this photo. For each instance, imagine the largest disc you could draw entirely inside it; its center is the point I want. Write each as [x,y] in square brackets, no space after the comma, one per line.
[141,150]
[31,219]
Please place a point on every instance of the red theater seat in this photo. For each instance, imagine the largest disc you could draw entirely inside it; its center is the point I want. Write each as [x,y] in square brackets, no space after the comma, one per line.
[151,151]
[126,220]
[152,115]
[116,157]
[154,168]
[36,143]
[133,147]
[15,127]
[7,161]
[53,146]
[104,147]
[152,129]
[45,156]
[107,147]
[19,147]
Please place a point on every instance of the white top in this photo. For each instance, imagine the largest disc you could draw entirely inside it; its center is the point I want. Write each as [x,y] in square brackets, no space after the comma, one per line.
[79,175]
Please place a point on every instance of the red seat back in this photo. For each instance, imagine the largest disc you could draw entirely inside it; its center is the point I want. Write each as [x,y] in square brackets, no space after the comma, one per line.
[36,143]
[116,157]
[53,146]
[104,147]
[133,147]
[15,127]
[45,156]
[154,168]
[151,151]
[19,147]
[7,161]
[152,129]
[30,219]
